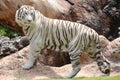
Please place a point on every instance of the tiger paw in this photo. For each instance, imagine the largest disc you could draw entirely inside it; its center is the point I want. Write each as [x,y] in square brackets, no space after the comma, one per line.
[27,65]
[105,74]
[69,76]
[66,77]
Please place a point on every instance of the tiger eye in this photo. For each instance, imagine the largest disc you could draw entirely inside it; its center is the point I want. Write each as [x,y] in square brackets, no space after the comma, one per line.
[18,18]
[31,13]
[26,13]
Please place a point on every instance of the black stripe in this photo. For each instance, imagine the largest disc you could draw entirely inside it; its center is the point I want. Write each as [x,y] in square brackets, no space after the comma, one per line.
[69,27]
[71,31]
[37,51]
[48,42]
[21,11]
[46,33]
[46,38]
[73,46]
[27,29]
[84,36]
[18,14]
[61,42]
[33,15]
[58,34]
[32,36]
[76,28]
[53,40]
[74,59]
[64,33]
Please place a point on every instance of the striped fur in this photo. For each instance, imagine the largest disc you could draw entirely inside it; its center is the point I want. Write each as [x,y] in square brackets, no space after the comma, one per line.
[59,35]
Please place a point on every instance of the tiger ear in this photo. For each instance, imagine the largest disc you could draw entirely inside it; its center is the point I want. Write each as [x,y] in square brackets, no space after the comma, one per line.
[18,6]
[32,7]
[16,16]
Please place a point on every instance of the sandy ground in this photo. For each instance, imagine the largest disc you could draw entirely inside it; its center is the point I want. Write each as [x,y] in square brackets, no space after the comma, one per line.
[10,69]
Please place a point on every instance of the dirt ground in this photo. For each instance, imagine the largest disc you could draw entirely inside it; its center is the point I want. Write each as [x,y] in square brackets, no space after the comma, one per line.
[10,69]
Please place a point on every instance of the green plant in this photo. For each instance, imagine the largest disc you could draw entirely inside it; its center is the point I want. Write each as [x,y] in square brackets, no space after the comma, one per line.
[6,31]
[89,78]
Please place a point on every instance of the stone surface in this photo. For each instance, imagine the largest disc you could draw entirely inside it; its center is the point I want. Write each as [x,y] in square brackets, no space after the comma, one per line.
[111,49]
[10,68]
[9,46]
[9,7]
[92,13]
[101,15]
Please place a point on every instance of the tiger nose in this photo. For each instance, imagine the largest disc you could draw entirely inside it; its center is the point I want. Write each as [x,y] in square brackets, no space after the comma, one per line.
[29,20]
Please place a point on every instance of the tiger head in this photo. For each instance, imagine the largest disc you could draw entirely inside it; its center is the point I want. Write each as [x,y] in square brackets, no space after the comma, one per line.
[25,15]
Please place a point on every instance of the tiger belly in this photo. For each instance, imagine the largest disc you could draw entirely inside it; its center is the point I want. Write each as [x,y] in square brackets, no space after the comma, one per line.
[61,48]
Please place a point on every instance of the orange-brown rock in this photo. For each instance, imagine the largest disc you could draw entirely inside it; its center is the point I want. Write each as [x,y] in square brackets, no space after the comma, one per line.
[50,8]
[88,12]
[111,49]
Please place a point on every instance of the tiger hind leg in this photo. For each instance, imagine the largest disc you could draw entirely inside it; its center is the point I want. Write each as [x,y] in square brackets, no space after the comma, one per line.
[102,63]
[75,61]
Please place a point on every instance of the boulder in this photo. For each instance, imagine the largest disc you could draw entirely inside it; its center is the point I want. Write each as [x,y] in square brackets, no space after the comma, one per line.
[9,7]
[9,46]
[111,49]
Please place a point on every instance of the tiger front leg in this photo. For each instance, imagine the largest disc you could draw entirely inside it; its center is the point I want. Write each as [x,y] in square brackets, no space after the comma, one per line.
[32,56]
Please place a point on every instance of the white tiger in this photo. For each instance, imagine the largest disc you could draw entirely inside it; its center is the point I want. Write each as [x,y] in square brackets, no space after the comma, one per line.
[59,35]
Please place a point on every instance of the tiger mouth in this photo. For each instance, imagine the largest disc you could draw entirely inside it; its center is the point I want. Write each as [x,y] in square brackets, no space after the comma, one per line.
[28,23]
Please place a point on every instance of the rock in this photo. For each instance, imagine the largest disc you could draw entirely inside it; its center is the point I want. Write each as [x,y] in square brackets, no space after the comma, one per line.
[97,14]
[9,46]
[89,12]
[111,49]
[112,9]
[114,50]
[119,31]
[21,42]
[53,58]
[104,41]
[10,69]
[7,10]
